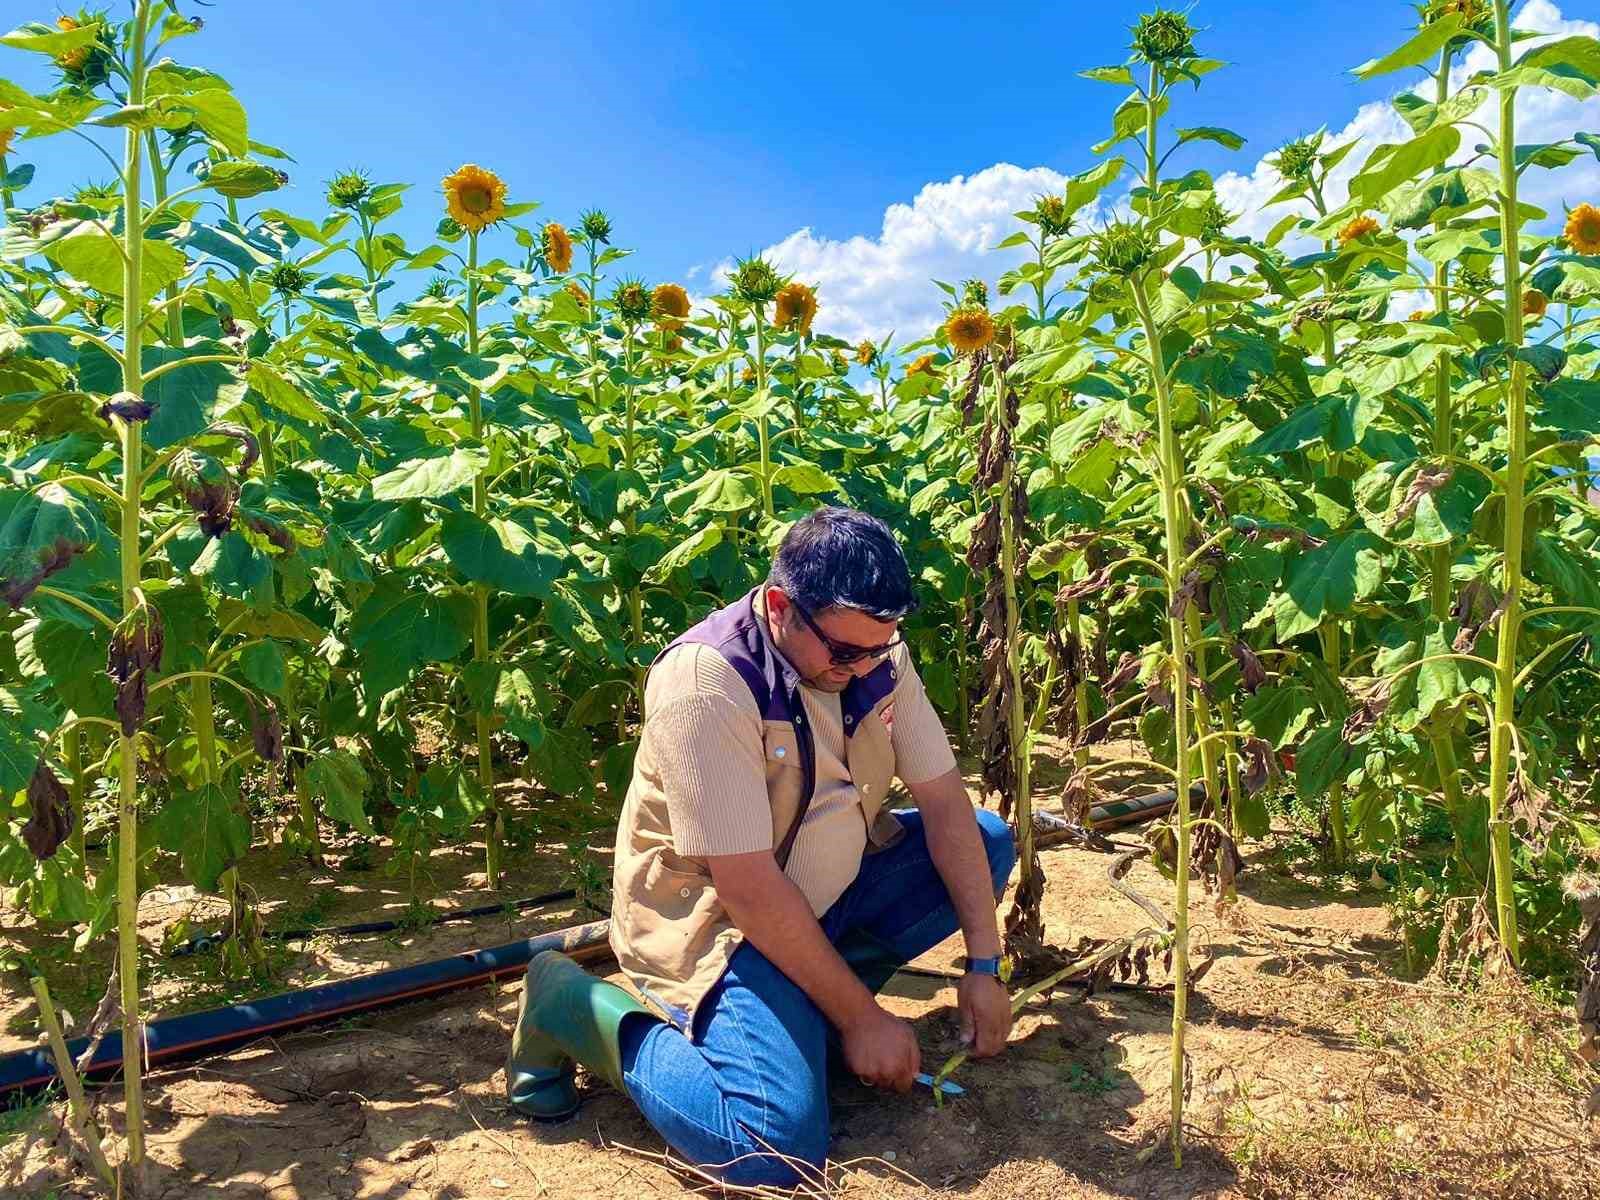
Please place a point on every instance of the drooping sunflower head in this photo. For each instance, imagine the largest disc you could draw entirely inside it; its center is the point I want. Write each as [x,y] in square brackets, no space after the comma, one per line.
[1534,303]
[475,197]
[970,328]
[577,292]
[755,280]
[840,364]
[556,244]
[87,65]
[669,305]
[1583,229]
[349,188]
[866,353]
[1473,279]
[797,305]
[1362,226]
[438,288]
[1123,248]
[748,375]
[1471,12]
[631,301]
[1051,215]
[920,366]
[1163,36]
[1296,159]
[288,279]
[974,294]
[596,226]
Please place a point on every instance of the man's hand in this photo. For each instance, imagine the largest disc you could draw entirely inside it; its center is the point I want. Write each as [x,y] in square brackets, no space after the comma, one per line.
[985,1009]
[882,1050]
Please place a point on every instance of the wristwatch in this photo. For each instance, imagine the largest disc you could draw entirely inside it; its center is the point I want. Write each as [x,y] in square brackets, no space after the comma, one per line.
[999,968]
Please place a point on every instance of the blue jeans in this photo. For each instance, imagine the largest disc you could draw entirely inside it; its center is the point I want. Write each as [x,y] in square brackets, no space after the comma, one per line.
[754,1080]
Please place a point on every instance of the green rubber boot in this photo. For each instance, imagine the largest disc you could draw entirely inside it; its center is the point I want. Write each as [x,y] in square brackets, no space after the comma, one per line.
[566,1015]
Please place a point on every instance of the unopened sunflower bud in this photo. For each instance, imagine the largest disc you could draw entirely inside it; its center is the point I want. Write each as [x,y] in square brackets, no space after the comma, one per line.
[1163,36]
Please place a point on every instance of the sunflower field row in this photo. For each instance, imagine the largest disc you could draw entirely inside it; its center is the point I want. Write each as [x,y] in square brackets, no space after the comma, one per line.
[1310,515]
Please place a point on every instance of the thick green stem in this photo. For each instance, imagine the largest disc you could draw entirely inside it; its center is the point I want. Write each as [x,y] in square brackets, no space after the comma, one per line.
[761,422]
[1174,514]
[72,750]
[1332,654]
[964,679]
[131,435]
[1080,689]
[1442,557]
[1017,725]
[1501,765]
[480,595]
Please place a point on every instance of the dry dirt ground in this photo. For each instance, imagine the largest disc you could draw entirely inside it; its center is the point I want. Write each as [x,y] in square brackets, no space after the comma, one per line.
[1315,1070]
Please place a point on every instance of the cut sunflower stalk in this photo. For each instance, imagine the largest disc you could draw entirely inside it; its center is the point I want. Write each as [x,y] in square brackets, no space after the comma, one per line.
[1501,763]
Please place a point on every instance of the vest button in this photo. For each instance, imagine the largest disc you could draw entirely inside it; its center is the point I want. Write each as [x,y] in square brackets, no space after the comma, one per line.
[684,892]
[780,752]
[849,720]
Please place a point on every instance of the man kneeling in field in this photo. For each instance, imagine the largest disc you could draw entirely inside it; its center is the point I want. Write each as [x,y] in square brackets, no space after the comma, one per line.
[763,893]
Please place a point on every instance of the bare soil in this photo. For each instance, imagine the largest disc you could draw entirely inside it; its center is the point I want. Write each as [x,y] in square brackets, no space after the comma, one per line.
[1315,1067]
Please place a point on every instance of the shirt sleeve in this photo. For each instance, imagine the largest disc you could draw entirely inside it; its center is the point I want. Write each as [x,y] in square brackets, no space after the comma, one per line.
[705,743]
[921,748]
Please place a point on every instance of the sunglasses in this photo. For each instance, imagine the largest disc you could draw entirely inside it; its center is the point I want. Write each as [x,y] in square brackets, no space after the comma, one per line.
[843,654]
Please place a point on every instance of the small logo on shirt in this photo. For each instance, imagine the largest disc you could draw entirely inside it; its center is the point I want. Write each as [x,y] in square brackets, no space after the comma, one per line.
[888,716]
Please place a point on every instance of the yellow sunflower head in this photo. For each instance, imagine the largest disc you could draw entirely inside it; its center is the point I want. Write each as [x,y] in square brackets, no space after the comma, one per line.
[1421,314]
[557,245]
[797,305]
[866,353]
[1534,303]
[475,197]
[921,366]
[970,329]
[1359,228]
[748,375]
[576,291]
[1583,229]
[669,304]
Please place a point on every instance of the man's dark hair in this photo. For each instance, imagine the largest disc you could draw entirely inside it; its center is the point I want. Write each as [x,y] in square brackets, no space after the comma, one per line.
[842,558]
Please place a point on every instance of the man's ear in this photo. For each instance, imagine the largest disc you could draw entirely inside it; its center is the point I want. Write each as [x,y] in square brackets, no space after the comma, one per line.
[777,601]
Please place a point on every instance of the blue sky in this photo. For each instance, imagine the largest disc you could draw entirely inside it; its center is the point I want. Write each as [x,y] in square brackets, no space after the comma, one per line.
[709,130]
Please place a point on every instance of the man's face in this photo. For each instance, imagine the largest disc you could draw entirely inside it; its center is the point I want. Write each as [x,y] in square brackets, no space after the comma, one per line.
[846,628]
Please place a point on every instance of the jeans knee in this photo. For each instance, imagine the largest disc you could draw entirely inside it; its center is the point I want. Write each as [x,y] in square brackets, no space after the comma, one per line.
[999,846]
[787,1148]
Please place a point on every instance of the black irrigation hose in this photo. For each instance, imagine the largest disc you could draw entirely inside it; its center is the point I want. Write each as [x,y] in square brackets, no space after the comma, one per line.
[178,1039]
[193,1035]
[202,942]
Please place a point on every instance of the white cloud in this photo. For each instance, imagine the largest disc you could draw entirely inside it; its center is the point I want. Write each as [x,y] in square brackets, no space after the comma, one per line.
[1542,116]
[869,285]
